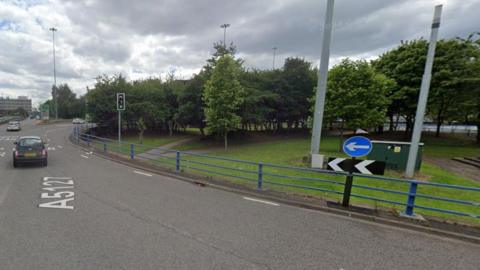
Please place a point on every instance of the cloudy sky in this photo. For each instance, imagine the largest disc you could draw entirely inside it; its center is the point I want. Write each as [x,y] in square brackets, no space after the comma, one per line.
[145,38]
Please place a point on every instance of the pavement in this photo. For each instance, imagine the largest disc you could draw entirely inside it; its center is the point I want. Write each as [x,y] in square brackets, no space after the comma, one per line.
[86,212]
[465,170]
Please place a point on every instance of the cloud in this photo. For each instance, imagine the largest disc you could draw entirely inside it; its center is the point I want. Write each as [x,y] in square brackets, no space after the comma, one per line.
[151,38]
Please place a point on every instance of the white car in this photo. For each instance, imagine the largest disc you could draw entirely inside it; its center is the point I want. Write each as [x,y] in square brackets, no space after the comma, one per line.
[78,121]
[13,126]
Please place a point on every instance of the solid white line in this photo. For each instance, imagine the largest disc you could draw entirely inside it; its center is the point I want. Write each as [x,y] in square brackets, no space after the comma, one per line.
[260,201]
[142,173]
[83,156]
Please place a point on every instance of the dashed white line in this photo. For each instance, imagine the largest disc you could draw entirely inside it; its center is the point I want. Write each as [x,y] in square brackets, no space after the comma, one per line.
[83,156]
[59,146]
[261,201]
[142,173]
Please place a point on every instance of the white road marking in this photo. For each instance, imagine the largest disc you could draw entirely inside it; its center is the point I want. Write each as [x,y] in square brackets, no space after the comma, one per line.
[8,138]
[142,173]
[59,146]
[52,184]
[261,201]
[2,154]
[83,156]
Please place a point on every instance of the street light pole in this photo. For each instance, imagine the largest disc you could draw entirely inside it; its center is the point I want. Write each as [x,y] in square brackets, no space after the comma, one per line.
[423,97]
[317,159]
[225,26]
[274,54]
[53,29]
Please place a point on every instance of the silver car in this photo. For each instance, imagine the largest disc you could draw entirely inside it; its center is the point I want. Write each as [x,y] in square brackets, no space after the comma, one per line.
[13,126]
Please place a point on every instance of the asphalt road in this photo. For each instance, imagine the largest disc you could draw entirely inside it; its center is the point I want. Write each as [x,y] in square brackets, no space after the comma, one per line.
[126,219]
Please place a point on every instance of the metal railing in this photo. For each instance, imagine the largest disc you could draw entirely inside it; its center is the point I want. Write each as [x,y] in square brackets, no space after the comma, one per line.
[408,194]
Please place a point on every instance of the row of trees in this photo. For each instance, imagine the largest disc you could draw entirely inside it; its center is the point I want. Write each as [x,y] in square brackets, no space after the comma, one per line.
[69,105]
[224,96]
[454,91]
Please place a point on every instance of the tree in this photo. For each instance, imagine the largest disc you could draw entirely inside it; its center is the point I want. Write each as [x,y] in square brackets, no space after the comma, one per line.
[357,95]
[141,129]
[295,87]
[452,70]
[190,108]
[405,65]
[223,96]
[101,100]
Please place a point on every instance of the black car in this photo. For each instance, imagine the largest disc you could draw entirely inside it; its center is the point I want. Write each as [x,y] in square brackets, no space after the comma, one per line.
[29,149]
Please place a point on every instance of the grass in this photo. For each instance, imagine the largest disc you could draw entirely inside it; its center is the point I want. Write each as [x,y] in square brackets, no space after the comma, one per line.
[291,151]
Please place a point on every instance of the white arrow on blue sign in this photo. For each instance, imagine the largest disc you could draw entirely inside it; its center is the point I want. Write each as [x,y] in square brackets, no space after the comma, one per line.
[357,146]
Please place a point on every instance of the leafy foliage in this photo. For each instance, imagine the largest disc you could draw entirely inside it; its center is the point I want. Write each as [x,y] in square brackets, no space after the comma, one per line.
[223,96]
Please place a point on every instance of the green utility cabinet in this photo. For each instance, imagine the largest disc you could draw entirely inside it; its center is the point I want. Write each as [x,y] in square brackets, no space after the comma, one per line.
[394,154]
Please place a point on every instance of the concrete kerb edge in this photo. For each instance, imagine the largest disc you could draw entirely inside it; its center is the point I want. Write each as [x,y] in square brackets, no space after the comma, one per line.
[296,203]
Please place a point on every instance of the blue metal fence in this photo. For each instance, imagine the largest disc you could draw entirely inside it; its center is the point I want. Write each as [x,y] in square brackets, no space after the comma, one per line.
[307,179]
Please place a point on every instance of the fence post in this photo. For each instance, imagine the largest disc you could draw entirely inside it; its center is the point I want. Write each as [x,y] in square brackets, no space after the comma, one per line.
[132,151]
[260,176]
[411,198]
[347,191]
[105,147]
[177,165]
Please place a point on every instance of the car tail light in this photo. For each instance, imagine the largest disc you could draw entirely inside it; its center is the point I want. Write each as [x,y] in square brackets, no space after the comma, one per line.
[44,152]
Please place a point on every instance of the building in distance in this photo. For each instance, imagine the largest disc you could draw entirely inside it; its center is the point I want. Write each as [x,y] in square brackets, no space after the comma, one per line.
[12,104]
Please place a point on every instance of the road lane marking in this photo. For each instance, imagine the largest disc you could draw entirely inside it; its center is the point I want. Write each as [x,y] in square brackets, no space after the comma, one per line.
[62,197]
[142,173]
[59,146]
[2,154]
[83,156]
[261,201]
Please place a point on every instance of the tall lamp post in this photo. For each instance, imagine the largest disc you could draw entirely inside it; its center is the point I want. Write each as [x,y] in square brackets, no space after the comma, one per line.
[317,158]
[225,26]
[274,54]
[53,29]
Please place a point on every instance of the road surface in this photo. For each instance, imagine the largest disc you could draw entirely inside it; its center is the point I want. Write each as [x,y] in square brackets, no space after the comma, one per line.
[123,218]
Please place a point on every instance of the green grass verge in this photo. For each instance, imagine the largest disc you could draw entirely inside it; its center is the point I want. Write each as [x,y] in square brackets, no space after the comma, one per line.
[291,152]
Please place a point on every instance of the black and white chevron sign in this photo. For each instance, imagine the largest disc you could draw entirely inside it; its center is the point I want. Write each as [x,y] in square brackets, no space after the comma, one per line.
[360,166]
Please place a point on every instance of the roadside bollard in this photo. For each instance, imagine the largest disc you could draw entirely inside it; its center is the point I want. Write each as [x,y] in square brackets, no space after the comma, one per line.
[260,176]
[411,198]
[132,151]
[347,191]
[177,165]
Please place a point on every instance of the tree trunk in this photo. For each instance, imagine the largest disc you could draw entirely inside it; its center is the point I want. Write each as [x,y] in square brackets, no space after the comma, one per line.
[437,132]
[478,130]
[341,137]
[396,122]
[225,140]
[170,128]
[390,128]
[439,119]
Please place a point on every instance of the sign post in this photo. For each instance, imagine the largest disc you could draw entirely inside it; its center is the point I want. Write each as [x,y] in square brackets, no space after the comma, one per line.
[120,108]
[423,96]
[356,146]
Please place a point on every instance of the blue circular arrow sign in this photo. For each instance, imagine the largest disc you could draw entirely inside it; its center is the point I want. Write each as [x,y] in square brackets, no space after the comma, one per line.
[357,146]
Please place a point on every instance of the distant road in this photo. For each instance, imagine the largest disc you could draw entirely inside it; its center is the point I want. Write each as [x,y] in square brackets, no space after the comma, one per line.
[110,216]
